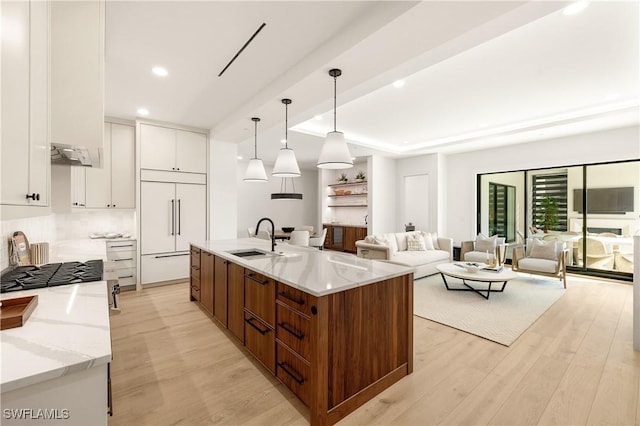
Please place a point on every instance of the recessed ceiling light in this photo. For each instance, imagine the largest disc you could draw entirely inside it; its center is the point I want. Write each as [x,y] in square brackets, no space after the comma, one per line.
[575,7]
[318,117]
[240,157]
[143,111]
[160,71]
[398,83]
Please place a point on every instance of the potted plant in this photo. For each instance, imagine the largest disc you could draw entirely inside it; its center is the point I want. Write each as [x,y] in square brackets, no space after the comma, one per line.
[343,178]
[360,177]
[549,216]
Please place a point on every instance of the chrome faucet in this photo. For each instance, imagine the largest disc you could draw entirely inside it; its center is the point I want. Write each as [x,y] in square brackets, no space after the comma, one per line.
[273,231]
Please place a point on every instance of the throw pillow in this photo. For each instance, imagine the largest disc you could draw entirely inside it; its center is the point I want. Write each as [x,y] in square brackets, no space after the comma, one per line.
[371,239]
[486,244]
[433,237]
[415,242]
[391,242]
[428,241]
[544,249]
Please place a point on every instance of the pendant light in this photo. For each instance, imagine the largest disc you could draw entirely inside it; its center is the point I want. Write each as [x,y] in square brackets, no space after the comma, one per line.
[286,164]
[284,194]
[255,170]
[335,152]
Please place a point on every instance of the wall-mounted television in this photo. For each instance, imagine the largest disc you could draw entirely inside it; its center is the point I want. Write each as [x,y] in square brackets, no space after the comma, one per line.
[605,200]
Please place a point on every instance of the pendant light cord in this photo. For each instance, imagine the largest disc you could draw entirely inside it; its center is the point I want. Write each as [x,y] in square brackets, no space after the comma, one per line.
[286,125]
[335,95]
[255,140]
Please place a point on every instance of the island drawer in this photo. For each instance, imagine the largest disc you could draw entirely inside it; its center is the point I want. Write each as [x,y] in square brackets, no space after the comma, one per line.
[294,372]
[297,299]
[195,289]
[259,296]
[293,329]
[195,256]
[260,340]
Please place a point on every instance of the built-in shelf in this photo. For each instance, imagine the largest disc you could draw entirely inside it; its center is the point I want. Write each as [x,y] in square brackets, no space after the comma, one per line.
[348,195]
[348,183]
[349,205]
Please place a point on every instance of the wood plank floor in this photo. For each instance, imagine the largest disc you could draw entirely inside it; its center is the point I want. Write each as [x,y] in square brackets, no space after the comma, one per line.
[576,365]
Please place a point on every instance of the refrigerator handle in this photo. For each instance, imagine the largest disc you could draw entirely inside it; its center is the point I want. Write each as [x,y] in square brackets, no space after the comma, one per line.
[173,218]
[179,217]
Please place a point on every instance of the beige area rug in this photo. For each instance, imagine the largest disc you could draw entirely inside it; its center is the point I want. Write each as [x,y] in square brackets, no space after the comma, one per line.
[502,318]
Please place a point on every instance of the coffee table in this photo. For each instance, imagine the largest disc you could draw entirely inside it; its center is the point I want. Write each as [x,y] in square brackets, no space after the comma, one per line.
[488,277]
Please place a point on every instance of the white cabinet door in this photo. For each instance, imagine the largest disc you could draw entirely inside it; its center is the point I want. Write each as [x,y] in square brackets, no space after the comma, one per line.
[77,76]
[78,185]
[191,214]
[123,166]
[157,217]
[15,103]
[157,147]
[40,154]
[98,188]
[164,267]
[191,152]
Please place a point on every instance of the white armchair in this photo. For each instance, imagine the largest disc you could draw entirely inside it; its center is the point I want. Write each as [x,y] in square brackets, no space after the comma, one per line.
[548,258]
[495,248]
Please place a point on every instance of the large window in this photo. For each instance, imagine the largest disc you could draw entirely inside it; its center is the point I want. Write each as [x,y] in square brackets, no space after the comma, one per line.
[549,201]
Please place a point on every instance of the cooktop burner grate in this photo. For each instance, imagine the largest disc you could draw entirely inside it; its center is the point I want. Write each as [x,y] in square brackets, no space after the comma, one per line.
[53,274]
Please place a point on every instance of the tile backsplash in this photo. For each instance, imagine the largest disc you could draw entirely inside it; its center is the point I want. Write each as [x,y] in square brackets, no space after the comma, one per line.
[66,226]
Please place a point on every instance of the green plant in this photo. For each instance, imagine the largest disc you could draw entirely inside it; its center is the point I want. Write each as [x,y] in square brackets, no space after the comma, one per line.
[343,178]
[360,175]
[549,216]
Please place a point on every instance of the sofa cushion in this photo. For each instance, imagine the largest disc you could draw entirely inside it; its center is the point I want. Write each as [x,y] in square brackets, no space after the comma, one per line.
[478,256]
[416,242]
[417,258]
[401,239]
[433,236]
[538,265]
[486,244]
[391,242]
[544,249]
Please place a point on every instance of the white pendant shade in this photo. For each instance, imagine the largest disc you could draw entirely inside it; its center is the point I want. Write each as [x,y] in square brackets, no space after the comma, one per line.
[255,171]
[335,153]
[286,164]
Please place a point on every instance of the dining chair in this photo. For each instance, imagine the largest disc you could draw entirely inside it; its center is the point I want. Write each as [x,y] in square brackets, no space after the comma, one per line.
[299,238]
[307,228]
[318,242]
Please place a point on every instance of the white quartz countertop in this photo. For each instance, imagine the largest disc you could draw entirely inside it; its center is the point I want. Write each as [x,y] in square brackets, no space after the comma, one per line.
[67,332]
[308,269]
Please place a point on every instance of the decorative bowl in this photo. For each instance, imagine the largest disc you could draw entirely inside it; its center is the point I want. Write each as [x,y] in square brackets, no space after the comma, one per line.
[347,192]
[288,228]
[339,191]
[472,267]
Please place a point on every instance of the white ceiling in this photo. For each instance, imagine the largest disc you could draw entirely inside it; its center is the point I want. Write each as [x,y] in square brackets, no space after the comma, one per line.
[477,73]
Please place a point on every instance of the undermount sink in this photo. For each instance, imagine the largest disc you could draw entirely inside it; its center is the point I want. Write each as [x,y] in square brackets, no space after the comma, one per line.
[252,253]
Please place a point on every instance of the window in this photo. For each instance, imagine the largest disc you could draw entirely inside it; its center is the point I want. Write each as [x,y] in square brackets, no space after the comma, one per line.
[549,201]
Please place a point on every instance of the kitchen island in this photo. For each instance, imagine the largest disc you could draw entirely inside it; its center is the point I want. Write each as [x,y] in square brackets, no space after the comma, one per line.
[53,369]
[335,329]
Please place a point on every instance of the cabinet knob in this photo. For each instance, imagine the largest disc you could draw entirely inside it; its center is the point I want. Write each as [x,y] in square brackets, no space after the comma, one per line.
[113,205]
[34,196]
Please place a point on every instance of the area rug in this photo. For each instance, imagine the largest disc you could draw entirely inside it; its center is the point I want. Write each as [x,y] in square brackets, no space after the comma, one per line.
[502,318]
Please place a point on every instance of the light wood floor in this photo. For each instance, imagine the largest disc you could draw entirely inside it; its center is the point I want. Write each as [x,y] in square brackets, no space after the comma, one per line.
[575,365]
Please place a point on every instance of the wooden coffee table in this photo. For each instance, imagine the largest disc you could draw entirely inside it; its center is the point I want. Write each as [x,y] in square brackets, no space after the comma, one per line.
[488,277]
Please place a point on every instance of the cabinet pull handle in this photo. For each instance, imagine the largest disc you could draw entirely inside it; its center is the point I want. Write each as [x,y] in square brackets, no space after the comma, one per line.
[195,267]
[293,299]
[179,217]
[171,255]
[127,276]
[122,260]
[252,278]
[34,196]
[289,330]
[128,245]
[261,331]
[286,368]
[173,217]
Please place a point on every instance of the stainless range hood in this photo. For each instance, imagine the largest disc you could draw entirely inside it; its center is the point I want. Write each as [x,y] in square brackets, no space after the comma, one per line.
[75,156]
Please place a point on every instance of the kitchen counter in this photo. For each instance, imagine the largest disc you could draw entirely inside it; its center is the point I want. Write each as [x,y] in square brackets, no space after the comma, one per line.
[66,333]
[313,271]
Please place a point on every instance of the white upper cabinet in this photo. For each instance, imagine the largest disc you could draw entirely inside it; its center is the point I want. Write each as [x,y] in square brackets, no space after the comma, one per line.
[113,185]
[163,148]
[77,72]
[24,145]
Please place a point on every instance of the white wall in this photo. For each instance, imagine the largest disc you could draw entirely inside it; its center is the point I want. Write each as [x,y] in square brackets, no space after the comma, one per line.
[223,190]
[423,165]
[254,201]
[383,195]
[609,145]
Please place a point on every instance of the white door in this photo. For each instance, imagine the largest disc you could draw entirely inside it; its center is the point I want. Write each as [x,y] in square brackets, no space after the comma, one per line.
[191,214]
[123,166]
[15,103]
[191,152]
[157,147]
[157,217]
[98,187]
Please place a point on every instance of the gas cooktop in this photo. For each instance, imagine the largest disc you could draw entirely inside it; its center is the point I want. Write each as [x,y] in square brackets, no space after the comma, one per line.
[50,275]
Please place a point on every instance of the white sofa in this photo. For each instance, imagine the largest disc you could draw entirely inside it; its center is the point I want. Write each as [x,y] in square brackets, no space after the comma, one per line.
[393,248]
